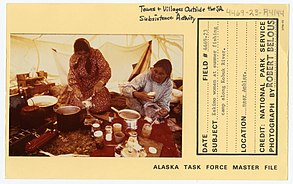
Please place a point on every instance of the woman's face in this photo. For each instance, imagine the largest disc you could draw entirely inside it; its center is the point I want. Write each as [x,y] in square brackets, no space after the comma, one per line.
[82,53]
[158,74]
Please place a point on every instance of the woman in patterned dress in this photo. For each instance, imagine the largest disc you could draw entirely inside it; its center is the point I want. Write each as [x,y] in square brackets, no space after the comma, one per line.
[88,74]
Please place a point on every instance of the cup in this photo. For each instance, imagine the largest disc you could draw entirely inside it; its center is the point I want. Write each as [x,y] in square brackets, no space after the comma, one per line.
[119,136]
[117,127]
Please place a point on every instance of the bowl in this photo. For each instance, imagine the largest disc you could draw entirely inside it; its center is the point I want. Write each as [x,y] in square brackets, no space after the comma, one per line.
[130,117]
[128,114]
[42,101]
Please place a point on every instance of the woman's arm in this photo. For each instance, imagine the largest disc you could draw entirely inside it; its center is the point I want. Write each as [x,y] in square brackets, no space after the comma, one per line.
[104,68]
[164,101]
[138,83]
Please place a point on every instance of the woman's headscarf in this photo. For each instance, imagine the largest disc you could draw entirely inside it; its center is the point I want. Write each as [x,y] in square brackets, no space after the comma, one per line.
[82,44]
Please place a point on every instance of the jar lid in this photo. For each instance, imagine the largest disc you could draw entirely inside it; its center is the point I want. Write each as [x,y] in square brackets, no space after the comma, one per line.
[96,125]
[117,125]
[152,150]
[98,133]
[108,127]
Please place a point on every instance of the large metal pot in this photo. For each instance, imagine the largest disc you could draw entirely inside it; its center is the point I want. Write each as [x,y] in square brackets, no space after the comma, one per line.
[32,117]
[69,118]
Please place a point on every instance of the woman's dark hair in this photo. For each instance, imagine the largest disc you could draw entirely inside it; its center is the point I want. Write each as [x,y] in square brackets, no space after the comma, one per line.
[81,44]
[165,64]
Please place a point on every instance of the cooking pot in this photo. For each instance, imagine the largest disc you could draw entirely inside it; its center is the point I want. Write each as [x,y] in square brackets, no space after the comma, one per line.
[69,118]
[129,116]
[32,117]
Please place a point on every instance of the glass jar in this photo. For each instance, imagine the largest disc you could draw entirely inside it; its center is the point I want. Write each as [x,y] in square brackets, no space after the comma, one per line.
[108,137]
[99,139]
[132,140]
[108,129]
[146,130]
[96,127]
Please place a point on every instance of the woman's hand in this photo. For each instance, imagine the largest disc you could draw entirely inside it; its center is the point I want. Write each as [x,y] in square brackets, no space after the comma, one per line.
[163,112]
[143,96]
[98,87]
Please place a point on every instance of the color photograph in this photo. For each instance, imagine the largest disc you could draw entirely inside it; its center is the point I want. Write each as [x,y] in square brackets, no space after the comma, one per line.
[95,95]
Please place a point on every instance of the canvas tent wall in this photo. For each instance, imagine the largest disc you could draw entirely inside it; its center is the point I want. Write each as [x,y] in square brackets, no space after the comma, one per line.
[51,53]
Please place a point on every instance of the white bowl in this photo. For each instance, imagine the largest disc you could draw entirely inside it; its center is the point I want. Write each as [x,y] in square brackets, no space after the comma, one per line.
[42,101]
